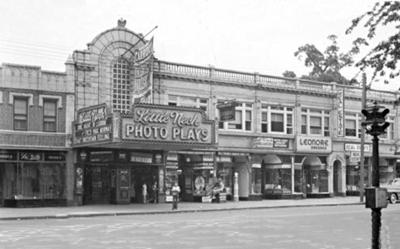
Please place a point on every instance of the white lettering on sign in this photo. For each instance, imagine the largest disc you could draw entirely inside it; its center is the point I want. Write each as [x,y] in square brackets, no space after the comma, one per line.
[162,124]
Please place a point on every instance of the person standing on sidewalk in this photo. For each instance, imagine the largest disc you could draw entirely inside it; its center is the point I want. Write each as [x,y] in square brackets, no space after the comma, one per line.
[175,194]
[144,192]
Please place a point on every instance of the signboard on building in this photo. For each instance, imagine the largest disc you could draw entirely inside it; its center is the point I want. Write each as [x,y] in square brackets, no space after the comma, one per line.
[340,113]
[269,142]
[167,124]
[92,125]
[357,147]
[227,111]
[313,144]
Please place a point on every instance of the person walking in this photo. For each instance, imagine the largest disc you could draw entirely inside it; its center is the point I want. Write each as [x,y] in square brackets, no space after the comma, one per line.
[155,192]
[144,192]
[175,194]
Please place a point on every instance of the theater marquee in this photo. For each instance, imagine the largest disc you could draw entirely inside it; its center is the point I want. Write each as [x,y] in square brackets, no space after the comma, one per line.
[166,124]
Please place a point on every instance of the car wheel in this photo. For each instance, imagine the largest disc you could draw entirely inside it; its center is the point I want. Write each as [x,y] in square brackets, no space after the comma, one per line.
[393,198]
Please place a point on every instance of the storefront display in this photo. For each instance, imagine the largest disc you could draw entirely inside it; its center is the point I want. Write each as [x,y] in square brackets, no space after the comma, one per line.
[32,176]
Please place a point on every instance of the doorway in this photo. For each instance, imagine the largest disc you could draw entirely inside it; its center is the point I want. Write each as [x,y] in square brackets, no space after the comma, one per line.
[97,185]
[336,174]
[143,175]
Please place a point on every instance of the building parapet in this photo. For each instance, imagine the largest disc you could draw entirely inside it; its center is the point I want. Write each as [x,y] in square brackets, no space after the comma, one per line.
[230,76]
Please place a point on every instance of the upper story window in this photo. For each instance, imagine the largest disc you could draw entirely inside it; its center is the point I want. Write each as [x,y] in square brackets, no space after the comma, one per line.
[315,122]
[276,119]
[352,125]
[20,113]
[49,115]
[188,101]
[389,134]
[120,86]
[243,118]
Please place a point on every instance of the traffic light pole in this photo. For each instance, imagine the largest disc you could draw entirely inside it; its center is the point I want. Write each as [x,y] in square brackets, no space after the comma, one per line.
[376,198]
[375,212]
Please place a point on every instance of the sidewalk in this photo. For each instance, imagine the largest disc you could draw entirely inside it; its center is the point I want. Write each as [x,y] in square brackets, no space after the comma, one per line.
[164,208]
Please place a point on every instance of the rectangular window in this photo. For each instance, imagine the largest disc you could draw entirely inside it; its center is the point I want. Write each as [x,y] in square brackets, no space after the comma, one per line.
[326,127]
[303,124]
[49,115]
[289,124]
[277,122]
[315,122]
[20,114]
[276,119]
[350,128]
[264,122]
[315,125]
[243,119]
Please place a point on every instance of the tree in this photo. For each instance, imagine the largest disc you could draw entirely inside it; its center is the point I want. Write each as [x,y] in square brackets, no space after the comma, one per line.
[289,74]
[326,65]
[384,56]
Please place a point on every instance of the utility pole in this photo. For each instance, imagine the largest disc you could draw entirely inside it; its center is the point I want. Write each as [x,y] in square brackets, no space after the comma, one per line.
[376,198]
[362,170]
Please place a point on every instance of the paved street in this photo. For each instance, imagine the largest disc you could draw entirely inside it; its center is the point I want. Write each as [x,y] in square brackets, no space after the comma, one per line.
[300,227]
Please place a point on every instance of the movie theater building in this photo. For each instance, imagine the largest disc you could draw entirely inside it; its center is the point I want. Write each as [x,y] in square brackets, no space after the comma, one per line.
[140,122]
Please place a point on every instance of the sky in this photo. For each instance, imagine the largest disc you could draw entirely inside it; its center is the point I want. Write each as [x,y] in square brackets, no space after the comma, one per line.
[245,35]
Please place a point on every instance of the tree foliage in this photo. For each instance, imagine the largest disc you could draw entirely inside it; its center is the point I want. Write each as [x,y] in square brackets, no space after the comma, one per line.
[289,74]
[326,65]
[383,57]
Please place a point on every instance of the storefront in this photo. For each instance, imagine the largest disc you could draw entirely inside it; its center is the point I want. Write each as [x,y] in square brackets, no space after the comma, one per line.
[137,157]
[312,154]
[32,178]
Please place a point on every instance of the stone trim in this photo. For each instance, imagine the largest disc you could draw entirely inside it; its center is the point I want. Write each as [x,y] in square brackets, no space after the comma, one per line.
[58,98]
[14,94]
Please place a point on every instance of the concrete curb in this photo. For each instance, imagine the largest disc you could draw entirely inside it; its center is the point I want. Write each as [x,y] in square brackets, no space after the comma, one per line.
[154,212]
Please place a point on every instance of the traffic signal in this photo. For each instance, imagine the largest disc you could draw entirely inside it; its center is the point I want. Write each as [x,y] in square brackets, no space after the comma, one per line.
[375,120]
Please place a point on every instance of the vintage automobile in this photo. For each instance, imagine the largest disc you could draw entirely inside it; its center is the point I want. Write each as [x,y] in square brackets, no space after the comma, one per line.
[393,188]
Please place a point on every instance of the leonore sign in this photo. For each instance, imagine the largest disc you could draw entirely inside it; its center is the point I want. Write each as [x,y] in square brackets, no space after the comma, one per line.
[167,124]
[313,144]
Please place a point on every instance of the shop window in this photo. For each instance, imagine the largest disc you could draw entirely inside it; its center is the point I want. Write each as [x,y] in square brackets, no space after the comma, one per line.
[317,180]
[276,119]
[243,119]
[315,122]
[34,180]
[256,181]
[278,181]
[49,115]
[121,85]
[20,113]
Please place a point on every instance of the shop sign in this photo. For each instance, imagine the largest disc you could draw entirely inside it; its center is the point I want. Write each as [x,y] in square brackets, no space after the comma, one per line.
[30,156]
[313,144]
[269,142]
[92,125]
[233,154]
[154,123]
[101,156]
[355,157]
[54,156]
[8,155]
[340,113]
[227,111]
[141,158]
[224,159]
[357,147]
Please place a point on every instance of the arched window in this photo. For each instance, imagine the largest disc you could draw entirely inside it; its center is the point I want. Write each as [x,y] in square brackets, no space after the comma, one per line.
[120,86]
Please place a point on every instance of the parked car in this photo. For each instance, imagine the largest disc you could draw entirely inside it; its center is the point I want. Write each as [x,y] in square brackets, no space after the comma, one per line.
[393,188]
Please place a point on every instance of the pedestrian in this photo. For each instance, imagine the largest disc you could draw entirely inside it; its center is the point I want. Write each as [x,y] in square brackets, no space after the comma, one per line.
[175,194]
[144,192]
[155,192]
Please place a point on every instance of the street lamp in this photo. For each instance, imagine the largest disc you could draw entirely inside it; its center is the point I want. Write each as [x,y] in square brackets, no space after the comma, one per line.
[376,198]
